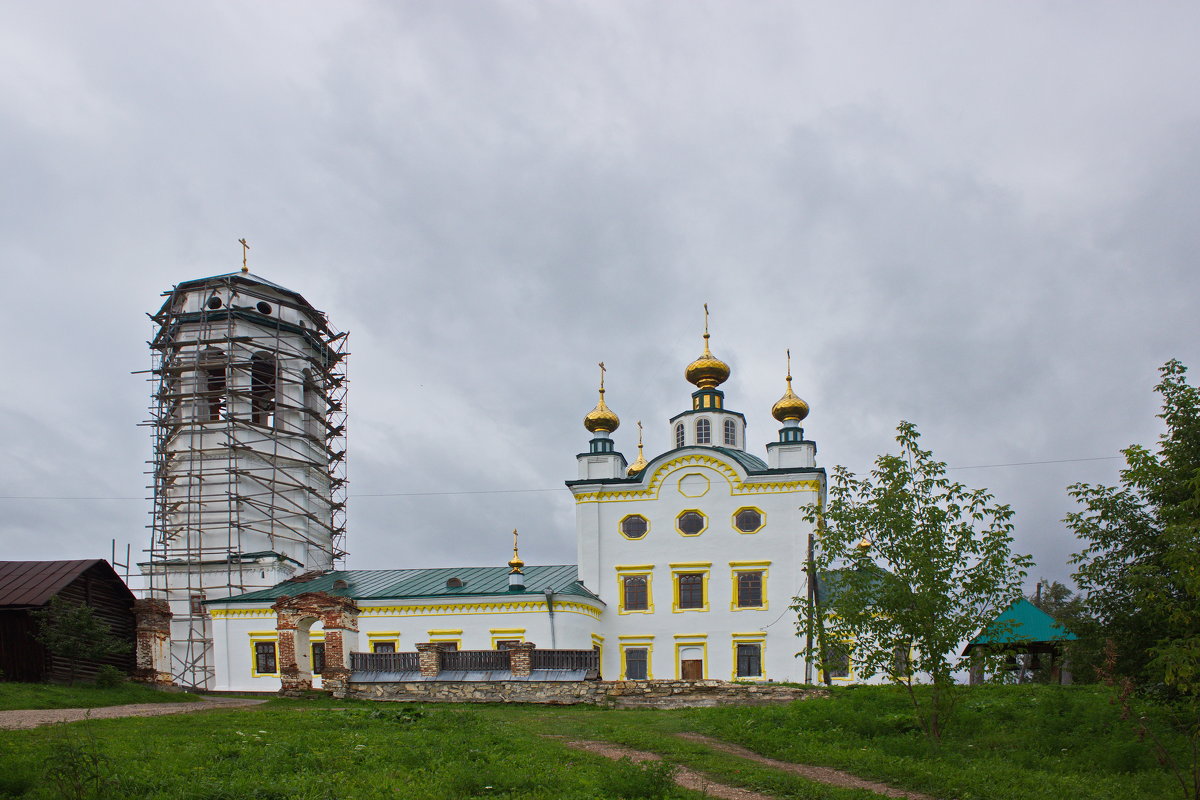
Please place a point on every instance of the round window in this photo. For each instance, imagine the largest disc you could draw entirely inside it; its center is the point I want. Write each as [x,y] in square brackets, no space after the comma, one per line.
[264,308]
[748,520]
[214,302]
[690,523]
[634,526]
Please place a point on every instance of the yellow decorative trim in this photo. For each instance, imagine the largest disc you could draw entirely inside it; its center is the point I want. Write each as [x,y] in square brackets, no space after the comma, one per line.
[679,516]
[738,567]
[736,484]
[446,632]
[701,476]
[700,568]
[640,571]
[691,565]
[621,529]
[640,642]
[513,607]
[756,637]
[683,640]
[241,613]
[598,645]
[762,519]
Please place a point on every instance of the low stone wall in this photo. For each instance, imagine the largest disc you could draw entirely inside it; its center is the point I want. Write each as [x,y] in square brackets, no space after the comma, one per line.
[615,694]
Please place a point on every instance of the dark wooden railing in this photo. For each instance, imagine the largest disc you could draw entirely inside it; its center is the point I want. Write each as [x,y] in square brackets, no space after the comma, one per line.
[488,660]
[384,662]
[566,659]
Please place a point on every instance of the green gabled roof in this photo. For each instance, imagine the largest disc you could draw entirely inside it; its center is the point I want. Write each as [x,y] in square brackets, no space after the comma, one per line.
[394,584]
[1023,622]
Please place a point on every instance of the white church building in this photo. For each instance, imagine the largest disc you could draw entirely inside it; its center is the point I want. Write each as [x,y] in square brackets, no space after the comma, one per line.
[687,561]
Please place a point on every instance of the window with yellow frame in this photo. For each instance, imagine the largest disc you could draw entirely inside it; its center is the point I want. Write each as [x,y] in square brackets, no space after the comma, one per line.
[450,638]
[749,652]
[749,519]
[689,586]
[384,641]
[503,637]
[637,658]
[748,585]
[264,654]
[635,591]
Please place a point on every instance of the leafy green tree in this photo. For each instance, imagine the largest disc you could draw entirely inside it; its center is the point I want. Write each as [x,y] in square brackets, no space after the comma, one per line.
[1139,571]
[74,633]
[921,564]
[1140,575]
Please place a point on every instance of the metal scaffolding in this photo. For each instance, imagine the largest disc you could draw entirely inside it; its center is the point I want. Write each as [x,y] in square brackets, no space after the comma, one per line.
[248,473]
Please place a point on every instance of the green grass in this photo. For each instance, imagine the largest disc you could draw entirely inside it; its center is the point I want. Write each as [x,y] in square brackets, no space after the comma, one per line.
[1007,743]
[44,695]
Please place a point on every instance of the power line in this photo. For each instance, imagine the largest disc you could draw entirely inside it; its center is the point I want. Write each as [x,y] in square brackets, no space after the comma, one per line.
[1031,463]
[554,489]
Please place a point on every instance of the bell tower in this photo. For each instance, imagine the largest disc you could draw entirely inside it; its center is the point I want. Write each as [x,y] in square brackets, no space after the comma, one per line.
[248,414]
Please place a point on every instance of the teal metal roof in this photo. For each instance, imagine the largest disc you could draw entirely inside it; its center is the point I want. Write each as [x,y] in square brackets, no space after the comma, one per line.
[1023,622]
[380,584]
[751,463]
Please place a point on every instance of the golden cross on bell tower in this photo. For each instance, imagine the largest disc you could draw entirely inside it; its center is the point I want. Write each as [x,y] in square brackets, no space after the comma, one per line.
[245,247]
[706,320]
[789,363]
[602,370]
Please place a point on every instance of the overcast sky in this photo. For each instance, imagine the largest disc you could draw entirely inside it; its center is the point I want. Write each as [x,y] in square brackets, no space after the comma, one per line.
[980,218]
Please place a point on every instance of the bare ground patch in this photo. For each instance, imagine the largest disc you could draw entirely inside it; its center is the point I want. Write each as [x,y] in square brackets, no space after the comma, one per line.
[685,777]
[35,717]
[827,775]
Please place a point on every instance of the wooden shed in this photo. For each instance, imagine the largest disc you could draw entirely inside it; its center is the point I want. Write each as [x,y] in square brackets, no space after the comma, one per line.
[28,586]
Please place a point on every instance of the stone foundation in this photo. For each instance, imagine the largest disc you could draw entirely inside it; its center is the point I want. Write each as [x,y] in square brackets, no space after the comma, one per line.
[613,694]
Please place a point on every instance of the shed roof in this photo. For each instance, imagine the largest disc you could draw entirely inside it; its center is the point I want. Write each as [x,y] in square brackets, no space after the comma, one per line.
[33,583]
[1022,622]
[379,584]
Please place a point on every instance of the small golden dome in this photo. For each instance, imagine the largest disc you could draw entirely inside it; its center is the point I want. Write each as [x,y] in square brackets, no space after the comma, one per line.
[789,406]
[640,463]
[601,418]
[707,371]
[515,563]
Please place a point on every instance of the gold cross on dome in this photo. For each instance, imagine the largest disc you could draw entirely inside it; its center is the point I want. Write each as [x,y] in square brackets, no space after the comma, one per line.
[245,247]
[602,370]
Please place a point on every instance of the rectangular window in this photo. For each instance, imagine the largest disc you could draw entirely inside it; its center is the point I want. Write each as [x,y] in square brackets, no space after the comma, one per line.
[691,590]
[636,663]
[507,644]
[838,660]
[636,595]
[264,658]
[749,590]
[749,661]
[383,647]
[318,658]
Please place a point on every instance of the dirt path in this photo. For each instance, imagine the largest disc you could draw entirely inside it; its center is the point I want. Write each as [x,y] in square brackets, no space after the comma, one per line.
[685,777]
[833,777]
[36,717]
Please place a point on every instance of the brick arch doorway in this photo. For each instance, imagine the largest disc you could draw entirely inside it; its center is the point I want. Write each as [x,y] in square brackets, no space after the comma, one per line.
[294,618]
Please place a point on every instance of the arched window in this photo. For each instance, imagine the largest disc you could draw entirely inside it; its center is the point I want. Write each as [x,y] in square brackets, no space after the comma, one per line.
[212,384]
[730,433]
[679,435]
[703,431]
[262,389]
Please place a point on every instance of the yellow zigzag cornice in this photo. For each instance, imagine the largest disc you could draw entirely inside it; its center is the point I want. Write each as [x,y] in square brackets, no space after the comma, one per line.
[736,485]
[514,607]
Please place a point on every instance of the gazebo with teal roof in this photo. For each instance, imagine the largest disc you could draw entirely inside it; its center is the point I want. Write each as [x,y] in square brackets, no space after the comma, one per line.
[1022,629]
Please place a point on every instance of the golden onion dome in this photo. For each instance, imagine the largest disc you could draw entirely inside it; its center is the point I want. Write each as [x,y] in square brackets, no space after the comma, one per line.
[601,418]
[789,406]
[707,371]
[640,463]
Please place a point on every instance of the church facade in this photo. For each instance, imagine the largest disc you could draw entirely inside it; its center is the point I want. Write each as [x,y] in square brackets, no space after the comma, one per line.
[688,562]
